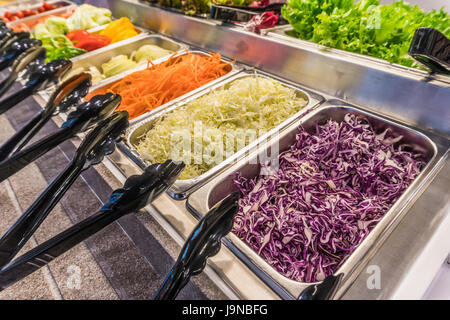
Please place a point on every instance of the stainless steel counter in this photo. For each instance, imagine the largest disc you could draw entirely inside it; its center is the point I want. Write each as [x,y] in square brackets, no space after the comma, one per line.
[407,255]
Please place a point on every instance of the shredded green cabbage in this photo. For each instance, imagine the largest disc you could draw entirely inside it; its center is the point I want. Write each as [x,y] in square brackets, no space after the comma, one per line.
[250,103]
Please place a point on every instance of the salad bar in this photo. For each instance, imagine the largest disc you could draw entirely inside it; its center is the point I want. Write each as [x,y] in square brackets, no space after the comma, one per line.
[288,152]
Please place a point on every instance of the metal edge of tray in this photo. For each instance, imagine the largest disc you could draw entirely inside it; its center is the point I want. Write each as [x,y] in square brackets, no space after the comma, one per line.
[39,16]
[197,203]
[279,33]
[182,188]
[126,47]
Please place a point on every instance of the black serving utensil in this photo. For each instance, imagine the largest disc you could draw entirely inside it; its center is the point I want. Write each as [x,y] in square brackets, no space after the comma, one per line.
[137,192]
[204,242]
[41,78]
[100,141]
[322,291]
[16,37]
[67,95]
[432,49]
[5,34]
[17,48]
[84,117]
[26,61]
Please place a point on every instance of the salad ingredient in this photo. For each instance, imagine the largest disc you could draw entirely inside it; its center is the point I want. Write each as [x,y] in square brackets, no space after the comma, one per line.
[8,16]
[87,16]
[87,41]
[329,191]
[150,52]
[265,20]
[250,103]
[241,3]
[146,90]
[117,65]
[365,27]
[119,29]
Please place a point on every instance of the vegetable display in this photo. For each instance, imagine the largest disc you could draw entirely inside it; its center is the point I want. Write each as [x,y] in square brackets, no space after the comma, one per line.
[8,16]
[365,27]
[189,7]
[119,30]
[122,63]
[145,90]
[87,17]
[251,103]
[330,190]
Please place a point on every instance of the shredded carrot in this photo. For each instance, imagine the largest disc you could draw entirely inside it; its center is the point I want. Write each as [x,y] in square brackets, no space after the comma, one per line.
[143,91]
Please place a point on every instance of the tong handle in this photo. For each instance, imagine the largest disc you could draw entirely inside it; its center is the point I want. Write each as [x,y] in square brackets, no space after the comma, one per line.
[54,247]
[135,194]
[432,49]
[24,227]
[24,134]
[322,291]
[21,159]
[204,242]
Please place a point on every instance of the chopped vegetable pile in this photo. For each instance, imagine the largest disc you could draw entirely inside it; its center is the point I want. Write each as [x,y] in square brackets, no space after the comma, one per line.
[254,103]
[329,192]
[8,16]
[66,37]
[122,63]
[145,90]
[365,27]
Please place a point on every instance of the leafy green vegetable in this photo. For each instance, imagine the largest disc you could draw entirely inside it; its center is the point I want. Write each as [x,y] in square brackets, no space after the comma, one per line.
[87,16]
[366,27]
[241,3]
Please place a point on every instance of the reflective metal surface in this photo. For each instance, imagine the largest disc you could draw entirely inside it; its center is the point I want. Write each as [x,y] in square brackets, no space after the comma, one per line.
[413,96]
[182,188]
[202,200]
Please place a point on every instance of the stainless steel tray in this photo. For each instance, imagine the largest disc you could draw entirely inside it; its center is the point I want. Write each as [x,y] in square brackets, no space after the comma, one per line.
[234,69]
[126,47]
[32,21]
[18,5]
[203,199]
[182,188]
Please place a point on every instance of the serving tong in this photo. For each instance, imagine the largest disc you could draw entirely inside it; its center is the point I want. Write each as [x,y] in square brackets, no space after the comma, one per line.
[16,37]
[42,77]
[81,119]
[12,52]
[138,191]
[66,96]
[98,143]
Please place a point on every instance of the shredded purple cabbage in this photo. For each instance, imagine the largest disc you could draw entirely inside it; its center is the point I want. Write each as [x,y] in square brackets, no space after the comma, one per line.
[329,192]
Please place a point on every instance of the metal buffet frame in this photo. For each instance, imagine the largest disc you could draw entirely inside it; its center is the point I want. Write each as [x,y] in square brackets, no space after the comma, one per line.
[413,100]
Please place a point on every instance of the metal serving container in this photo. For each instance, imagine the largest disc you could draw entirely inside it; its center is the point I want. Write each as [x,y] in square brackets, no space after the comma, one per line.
[126,47]
[15,6]
[203,199]
[235,68]
[32,21]
[182,188]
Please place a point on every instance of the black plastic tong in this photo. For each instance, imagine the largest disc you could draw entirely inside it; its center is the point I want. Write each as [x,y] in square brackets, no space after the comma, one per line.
[16,49]
[41,78]
[16,37]
[84,117]
[100,141]
[23,65]
[432,49]
[204,242]
[137,192]
[67,95]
